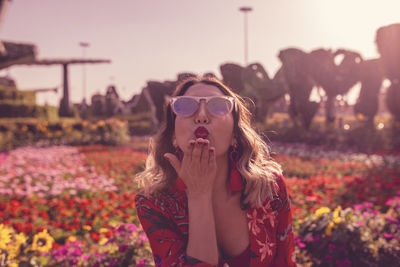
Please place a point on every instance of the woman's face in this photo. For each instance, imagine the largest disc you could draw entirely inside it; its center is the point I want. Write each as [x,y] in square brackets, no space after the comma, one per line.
[220,128]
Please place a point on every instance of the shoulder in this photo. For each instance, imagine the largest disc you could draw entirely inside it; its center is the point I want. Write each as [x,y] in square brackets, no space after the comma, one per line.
[279,198]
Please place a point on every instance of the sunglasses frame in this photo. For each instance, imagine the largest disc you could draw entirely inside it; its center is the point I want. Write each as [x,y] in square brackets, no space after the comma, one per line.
[231,99]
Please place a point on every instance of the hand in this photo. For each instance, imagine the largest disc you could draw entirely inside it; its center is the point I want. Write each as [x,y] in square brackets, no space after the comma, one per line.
[198,167]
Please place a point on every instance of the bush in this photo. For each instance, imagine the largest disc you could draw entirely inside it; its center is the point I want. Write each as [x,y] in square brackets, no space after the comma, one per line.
[359,236]
[65,132]
[349,132]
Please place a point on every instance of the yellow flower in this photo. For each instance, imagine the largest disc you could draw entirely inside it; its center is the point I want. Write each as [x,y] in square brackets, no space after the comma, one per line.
[103,230]
[101,123]
[321,211]
[87,227]
[337,220]
[42,241]
[71,238]
[336,215]
[112,248]
[103,240]
[328,230]
[14,248]
[5,236]
[41,127]
[13,264]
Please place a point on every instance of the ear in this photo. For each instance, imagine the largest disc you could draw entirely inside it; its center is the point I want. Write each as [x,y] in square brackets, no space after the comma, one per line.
[174,143]
[234,142]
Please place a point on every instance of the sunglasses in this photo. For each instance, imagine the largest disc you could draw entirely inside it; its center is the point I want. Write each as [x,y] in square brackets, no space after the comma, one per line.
[187,105]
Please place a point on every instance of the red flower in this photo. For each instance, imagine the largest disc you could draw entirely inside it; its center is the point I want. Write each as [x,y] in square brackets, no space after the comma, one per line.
[28,228]
[18,226]
[95,236]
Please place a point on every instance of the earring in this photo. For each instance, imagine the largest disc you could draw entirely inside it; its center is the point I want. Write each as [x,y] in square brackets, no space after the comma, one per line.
[178,153]
[235,180]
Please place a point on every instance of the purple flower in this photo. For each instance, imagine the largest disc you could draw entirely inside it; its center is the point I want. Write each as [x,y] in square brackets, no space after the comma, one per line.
[73,262]
[123,248]
[332,246]
[301,245]
[143,237]
[86,257]
[141,263]
[113,263]
[368,205]
[131,227]
[344,263]
[388,236]
[328,258]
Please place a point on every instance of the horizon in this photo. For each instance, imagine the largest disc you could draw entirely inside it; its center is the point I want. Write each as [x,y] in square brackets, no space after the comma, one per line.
[156,40]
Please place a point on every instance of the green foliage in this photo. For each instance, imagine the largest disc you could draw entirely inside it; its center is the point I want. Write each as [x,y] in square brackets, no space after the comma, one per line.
[63,132]
[348,132]
[9,93]
[393,100]
[9,109]
[139,124]
[359,236]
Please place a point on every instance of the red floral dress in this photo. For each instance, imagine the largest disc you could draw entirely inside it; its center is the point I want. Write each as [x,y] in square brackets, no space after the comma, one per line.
[165,221]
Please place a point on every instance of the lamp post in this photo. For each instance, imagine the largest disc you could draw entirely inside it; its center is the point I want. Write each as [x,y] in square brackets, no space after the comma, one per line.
[84,45]
[245,10]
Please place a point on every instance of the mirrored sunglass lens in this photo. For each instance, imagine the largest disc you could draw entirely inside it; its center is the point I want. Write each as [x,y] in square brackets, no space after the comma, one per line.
[219,106]
[185,106]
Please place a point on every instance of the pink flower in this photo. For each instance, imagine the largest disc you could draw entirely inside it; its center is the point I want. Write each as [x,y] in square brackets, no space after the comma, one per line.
[141,263]
[253,220]
[266,249]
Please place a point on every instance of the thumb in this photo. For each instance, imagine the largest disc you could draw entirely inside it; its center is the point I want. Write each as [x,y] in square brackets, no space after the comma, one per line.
[173,160]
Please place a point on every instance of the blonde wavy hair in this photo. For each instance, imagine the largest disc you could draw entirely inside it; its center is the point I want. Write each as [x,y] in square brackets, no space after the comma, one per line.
[255,164]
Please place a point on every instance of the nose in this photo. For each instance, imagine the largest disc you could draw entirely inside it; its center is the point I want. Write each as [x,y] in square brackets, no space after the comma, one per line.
[201,114]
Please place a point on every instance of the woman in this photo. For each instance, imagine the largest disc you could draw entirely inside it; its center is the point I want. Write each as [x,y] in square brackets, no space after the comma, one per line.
[212,195]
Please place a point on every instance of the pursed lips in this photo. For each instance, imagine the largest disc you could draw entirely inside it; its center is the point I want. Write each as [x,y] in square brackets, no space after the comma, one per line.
[201,132]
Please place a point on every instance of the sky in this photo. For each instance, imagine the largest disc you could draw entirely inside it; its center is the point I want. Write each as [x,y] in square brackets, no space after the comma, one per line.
[157,39]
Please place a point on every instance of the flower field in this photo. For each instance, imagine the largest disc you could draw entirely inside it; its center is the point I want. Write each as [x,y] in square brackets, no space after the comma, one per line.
[74,206]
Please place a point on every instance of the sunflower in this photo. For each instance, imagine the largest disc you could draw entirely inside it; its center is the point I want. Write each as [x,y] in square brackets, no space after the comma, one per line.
[42,241]
[5,236]
[15,247]
[322,210]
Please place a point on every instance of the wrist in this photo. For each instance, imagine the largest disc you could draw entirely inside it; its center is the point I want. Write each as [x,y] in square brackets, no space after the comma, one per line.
[199,199]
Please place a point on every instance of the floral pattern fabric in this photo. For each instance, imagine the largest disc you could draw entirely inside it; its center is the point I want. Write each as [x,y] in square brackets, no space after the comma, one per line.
[165,221]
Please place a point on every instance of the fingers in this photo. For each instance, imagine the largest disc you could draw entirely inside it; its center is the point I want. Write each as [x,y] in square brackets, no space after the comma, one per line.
[197,149]
[212,161]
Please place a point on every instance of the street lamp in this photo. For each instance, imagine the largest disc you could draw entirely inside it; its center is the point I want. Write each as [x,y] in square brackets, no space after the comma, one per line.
[84,45]
[245,10]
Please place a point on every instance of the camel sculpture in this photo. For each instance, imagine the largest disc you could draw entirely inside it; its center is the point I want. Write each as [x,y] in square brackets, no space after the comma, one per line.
[254,82]
[388,43]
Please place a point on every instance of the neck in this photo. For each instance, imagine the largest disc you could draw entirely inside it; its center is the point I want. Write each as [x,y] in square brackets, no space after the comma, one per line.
[221,180]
